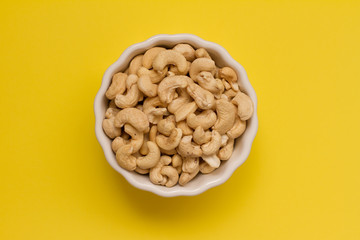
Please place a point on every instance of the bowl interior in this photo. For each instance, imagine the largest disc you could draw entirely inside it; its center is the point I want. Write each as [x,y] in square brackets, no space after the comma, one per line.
[203,181]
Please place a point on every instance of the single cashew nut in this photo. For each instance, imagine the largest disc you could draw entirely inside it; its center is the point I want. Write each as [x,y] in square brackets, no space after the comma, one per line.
[153,113]
[203,98]
[171,142]
[190,164]
[155,173]
[226,152]
[117,143]
[186,130]
[175,71]
[212,160]
[110,129]
[188,149]
[155,76]
[132,96]
[168,152]
[146,86]
[202,53]
[176,162]
[187,177]
[125,159]
[186,50]
[206,119]
[213,146]
[226,112]
[133,116]
[183,98]
[166,126]
[244,104]
[150,55]
[228,74]
[137,137]
[206,168]
[117,85]
[238,129]
[144,150]
[208,82]
[135,64]
[142,171]
[200,136]
[226,84]
[111,112]
[201,65]
[166,88]
[168,57]
[184,111]
[171,174]
[230,94]
[153,133]
[151,159]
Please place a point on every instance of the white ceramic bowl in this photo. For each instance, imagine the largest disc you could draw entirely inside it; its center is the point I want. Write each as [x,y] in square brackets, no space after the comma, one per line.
[203,181]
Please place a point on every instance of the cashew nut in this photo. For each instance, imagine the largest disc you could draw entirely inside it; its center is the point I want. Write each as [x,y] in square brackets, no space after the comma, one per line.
[110,129]
[230,94]
[228,74]
[151,159]
[153,133]
[208,82]
[188,149]
[200,136]
[203,98]
[186,50]
[186,130]
[155,76]
[202,53]
[165,126]
[117,143]
[244,104]
[226,151]
[226,112]
[117,85]
[212,160]
[150,55]
[155,173]
[153,113]
[187,177]
[168,152]
[183,98]
[125,159]
[213,146]
[224,140]
[132,96]
[200,65]
[167,57]
[142,171]
[133,116]
[175,71]
[206,168]
[190,164]
[184,111]
[171,142]
[146,86]
[238,128]
[171,174]
[144,150]
[111,112]
[206,119]
[135,64]
[137,137]
[166,88]
[177,161]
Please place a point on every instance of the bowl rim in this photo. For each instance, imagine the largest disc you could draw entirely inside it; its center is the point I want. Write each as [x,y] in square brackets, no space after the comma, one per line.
[180,38]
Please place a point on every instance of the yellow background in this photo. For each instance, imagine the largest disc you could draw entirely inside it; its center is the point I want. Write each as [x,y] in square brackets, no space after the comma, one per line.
[301,180]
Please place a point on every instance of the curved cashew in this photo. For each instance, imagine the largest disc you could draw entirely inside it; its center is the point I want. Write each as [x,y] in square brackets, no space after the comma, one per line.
[230,94]
[186,130]
[208,82]
[213,146]
[183,98]
[125,159]
[206,119]
[155,173]
[137,137]
[155,76]
[226,151]
[133,116]
[132,96]
[187,177]
[167,57]
[203,98]
[245,105]
[117,85]
[206,168]
[135,64]
[200,136]
[226,112]
[228,74]
[150,55]
[184,111]
[190,164]
[167,86]
[166,126]
[200,65]
[202,53]
[110,129]
[186,50]
[117,143]
[176,162]
[212,160]
[142,171]
[153,113]
[151,159]
[238,128]
[175,71]
[171,142]
[187,149]
[171,174]
[111,112]
[146,86]
[168,152]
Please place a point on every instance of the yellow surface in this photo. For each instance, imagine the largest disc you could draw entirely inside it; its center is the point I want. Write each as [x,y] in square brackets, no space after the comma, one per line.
[301,181]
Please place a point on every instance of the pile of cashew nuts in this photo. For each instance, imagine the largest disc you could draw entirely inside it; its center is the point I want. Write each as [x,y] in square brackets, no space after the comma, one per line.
[173,113]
